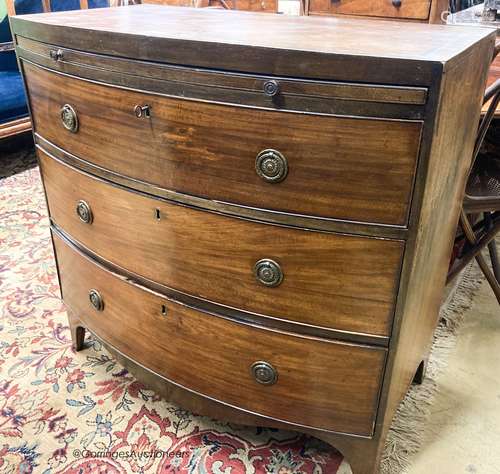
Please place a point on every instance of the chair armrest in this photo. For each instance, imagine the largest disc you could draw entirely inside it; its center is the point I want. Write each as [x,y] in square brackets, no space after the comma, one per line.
[491,91]
[6,46]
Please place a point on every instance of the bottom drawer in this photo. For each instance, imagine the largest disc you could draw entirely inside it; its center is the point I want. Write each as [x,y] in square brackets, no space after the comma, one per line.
[311,382]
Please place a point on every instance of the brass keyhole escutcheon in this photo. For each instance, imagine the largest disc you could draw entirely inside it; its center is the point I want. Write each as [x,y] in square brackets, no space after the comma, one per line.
[142,111]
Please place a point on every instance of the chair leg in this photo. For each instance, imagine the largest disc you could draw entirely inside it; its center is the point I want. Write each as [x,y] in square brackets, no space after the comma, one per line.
[494,259]
[489,276]
[471,237]
[492,248]
[419,377]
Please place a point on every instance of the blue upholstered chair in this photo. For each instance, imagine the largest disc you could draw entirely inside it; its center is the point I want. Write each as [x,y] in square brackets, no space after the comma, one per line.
[13,108]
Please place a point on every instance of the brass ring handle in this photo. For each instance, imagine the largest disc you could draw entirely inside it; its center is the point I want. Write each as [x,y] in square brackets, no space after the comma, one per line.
[84,212]
[271,166]
[264,373]
[271,88]
[142,111]
[96,300]
[69,118]
[268,272]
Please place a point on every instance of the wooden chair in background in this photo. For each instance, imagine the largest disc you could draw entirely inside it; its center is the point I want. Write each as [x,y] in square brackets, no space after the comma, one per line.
[480,216]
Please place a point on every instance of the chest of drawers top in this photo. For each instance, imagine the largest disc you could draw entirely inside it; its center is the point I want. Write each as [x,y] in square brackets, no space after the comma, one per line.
[314,48]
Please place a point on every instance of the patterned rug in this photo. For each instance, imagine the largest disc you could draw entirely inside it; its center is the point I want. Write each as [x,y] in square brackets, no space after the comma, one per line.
[58,406]
[82,413]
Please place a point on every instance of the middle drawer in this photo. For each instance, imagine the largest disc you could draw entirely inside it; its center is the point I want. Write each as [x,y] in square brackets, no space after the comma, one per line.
[322,279]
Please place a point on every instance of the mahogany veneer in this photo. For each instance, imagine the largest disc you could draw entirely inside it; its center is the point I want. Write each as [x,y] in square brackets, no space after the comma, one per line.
[195,350]
[280,206]
[337,166]
[207,255]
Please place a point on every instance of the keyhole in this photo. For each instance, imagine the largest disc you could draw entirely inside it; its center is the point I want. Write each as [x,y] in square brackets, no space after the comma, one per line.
[157,214]
[163,310]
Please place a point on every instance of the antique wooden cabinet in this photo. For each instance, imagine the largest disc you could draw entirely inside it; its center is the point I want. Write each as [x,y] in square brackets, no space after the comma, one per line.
[256,211]
[427,11]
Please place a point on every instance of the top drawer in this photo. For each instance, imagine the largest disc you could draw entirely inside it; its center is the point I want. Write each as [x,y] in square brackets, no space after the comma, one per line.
[333,167]
[407,9]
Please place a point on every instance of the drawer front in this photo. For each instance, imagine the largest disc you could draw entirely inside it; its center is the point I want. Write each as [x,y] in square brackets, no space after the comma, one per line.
[407,9]
[351,169]
[311,382]
[328,280]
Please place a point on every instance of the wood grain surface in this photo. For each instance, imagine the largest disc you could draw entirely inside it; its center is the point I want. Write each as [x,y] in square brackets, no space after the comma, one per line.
[352,169]
[252,32]
[437,219]
[330,280]
[213,357]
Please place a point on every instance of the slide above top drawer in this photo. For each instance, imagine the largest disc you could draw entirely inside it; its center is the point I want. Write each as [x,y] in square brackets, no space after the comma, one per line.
[352,169]
[271,92]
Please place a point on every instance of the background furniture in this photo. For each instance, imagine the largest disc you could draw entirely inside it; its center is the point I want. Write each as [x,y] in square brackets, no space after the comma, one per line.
[480,216]
[267,224]
[270,6]
[480,219]
[427,11]
[473,17]
[14,117]
[13,109]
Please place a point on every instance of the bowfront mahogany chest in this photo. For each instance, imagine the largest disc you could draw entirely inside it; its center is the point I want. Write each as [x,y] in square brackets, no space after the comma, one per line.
[256,210]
